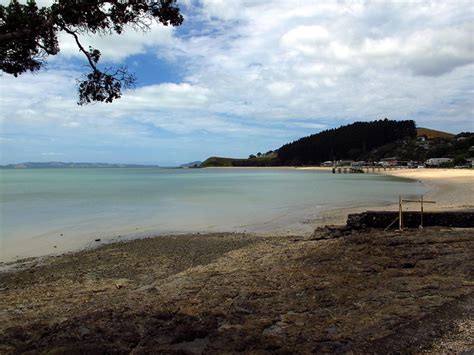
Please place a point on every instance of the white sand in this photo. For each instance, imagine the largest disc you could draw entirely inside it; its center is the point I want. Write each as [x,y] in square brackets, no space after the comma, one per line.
[451,189]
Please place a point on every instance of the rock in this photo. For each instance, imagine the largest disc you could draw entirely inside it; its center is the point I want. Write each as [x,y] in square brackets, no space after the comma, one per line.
[97,240]
[228,326]
[331,330]
[121,283]
[242,310]
[330,232]
[83,331]
[273,330]
[196,346]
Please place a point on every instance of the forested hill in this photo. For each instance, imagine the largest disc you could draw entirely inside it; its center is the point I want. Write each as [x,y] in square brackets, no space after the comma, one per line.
[346,142]
[363,141]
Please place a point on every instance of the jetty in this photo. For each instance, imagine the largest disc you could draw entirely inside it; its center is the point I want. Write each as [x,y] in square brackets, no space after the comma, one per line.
[364,169]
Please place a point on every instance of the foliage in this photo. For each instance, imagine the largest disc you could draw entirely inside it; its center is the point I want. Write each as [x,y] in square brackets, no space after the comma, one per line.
[459,160]
[29,34]
[457,147]
[217,161]
[227,162]
[257,161]
[363,141]
[346,142]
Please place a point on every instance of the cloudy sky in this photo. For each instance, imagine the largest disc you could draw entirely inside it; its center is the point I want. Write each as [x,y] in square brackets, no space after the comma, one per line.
[239,77]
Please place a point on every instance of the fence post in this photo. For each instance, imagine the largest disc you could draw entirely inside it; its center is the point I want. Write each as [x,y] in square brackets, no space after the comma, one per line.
[421,203]
[400,213]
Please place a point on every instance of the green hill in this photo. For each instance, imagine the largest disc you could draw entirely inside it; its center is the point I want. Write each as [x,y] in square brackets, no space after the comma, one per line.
[346,142]
[217,161]
[262,160]
[363,141]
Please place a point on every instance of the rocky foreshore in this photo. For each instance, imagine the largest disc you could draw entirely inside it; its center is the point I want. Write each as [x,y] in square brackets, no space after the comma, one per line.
[412,219]
[332,292]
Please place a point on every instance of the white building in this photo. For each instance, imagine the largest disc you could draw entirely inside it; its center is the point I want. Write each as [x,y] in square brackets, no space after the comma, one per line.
[328,163]
[438,161]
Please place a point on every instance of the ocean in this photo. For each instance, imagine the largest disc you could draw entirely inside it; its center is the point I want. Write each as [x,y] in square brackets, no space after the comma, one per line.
[54,210]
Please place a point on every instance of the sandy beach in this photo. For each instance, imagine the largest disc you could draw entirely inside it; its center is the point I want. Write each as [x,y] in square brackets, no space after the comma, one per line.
[451,189]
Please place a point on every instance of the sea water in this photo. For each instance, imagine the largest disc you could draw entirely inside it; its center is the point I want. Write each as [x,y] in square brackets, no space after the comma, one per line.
[60,209]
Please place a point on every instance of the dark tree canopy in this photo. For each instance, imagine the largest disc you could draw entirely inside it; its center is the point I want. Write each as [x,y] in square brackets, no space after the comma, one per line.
[345,142]
[29,34]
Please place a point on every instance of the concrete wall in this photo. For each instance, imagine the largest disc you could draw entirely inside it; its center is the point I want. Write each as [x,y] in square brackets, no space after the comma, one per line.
[381,219]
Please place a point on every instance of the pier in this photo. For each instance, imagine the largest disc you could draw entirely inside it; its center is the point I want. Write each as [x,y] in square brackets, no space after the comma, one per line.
[364,169]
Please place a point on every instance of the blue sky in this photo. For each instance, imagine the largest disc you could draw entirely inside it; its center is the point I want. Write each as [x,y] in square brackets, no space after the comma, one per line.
[241,77]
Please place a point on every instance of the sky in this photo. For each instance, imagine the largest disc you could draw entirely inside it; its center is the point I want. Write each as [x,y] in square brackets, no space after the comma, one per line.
[247,76]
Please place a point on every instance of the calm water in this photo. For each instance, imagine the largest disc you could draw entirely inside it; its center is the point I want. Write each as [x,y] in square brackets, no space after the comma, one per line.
[83,204]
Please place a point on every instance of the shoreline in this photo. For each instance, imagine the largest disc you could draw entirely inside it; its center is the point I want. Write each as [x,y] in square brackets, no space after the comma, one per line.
[372,292]
[450,188]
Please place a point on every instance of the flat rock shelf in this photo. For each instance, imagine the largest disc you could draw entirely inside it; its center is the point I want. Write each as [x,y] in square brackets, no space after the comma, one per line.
[365,292]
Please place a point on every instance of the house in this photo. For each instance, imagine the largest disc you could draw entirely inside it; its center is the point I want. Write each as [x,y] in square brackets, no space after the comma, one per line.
[393,161]
[344,162]
[413,164]
[359,164]
[327,163]
[438,161]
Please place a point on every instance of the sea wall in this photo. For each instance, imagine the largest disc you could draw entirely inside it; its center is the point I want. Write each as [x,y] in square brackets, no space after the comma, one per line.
[382,219]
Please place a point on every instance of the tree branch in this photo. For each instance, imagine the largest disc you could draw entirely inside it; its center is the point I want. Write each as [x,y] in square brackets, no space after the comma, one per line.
[29,34]
[81,48]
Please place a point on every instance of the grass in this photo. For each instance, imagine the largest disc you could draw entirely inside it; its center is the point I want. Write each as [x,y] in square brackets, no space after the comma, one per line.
[217,161]
[432,133]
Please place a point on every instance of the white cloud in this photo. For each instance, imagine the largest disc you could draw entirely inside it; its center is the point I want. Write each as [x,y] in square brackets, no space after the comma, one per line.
[270,69]
[305,36]
[71,124]
[427,52]
[51,154]
[333,59]
[116,48]
[280,89]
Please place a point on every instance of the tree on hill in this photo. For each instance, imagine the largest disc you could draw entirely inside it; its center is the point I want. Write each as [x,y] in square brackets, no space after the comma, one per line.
[29,34]
[346,142]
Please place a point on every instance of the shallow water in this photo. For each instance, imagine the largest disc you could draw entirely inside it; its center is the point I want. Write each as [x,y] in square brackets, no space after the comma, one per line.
[83,204]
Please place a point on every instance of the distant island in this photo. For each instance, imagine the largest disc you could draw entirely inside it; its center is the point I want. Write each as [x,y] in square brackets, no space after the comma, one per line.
[54,164]
[365,142]
[360,143]
[193,164]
